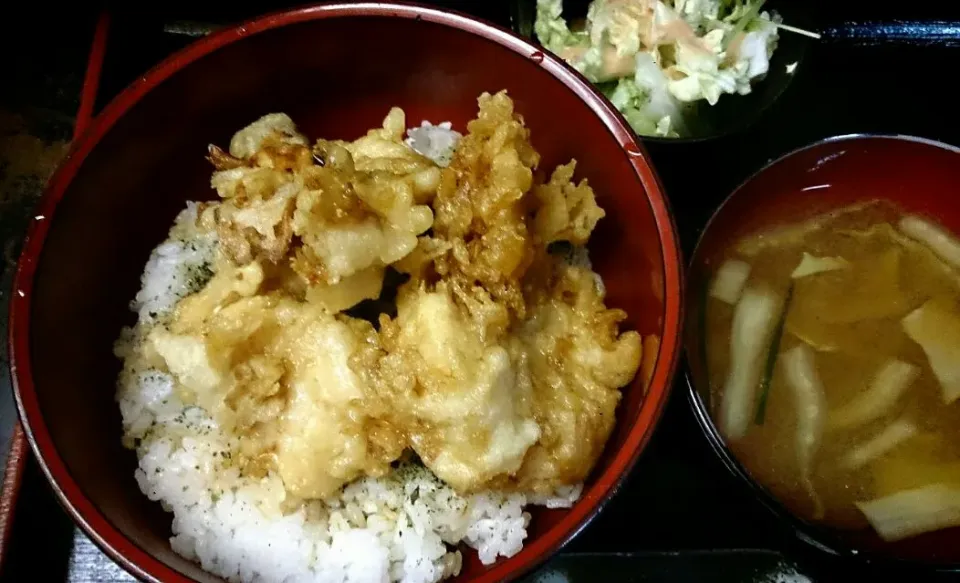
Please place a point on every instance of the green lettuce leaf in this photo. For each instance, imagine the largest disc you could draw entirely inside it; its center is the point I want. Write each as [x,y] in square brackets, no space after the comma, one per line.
[552,30]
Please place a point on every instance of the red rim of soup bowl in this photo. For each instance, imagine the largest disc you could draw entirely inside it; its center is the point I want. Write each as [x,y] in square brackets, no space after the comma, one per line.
[710,246]
[535,551]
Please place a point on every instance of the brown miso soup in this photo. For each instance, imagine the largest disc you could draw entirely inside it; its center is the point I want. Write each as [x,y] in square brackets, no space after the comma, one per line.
[833,360]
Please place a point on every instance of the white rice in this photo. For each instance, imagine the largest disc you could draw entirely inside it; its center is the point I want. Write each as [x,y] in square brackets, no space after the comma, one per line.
[436,142]
[172,267]
[403,527]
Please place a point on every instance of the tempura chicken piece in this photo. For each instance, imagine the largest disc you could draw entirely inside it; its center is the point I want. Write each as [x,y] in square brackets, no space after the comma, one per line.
[275,372]
[481,206]
[465,403]
[349,220]
[568,211]
[465,392]
[254,219]
[337,214]
[382,151]
[278,127]
[578,361]
[502,364]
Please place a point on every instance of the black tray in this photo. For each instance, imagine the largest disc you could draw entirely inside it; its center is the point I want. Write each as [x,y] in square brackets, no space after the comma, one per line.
[680,516]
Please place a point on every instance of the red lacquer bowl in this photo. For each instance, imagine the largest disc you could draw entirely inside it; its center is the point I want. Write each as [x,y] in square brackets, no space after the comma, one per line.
[920,176]
[333,70]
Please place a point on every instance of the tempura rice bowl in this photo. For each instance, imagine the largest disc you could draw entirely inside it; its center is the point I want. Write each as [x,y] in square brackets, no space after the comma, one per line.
[70,300]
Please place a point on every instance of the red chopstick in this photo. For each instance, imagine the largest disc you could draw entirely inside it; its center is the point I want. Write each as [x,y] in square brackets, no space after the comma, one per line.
[91,79]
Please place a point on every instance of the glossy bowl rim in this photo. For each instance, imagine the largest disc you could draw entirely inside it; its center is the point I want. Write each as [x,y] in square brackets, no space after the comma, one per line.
[818,537]
[143,564]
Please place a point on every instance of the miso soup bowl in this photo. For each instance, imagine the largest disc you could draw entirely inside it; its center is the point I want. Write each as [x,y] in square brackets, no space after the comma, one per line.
[918,175]
[331,67]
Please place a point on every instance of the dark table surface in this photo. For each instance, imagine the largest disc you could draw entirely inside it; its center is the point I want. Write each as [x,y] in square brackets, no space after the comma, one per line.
[680,516]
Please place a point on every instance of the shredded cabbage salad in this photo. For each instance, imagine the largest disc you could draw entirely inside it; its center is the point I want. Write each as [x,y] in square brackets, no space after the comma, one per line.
[652,58]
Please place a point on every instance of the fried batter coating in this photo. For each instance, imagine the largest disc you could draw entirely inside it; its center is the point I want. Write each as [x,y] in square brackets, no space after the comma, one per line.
[275,372]
[250,140]
[502,367]
[334,211]
[505,362]
[464,403]
[481,205]
[568,211]
[383,151]
[578,361]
